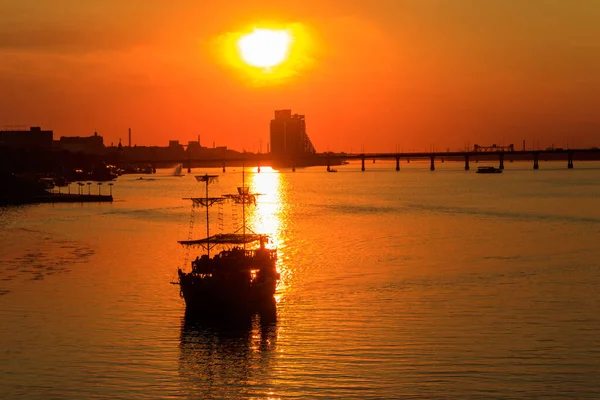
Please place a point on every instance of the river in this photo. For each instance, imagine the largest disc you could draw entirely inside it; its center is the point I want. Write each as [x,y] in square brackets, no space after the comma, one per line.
[410,284]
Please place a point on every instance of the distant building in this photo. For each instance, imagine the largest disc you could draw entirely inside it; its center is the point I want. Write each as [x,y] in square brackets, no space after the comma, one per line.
[34,138]
[193,147]
[175,152]
[288,136]
[493,148]
[88,144]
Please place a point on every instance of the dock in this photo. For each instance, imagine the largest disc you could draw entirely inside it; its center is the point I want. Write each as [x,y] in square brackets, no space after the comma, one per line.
[71,198]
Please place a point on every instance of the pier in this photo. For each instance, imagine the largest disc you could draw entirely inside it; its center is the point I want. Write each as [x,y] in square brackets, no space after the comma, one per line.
[71,198]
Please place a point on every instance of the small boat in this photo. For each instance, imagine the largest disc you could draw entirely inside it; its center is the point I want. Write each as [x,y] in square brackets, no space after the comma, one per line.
[60,182]
[332,170]
[488,170]
[178,171]
[47,183]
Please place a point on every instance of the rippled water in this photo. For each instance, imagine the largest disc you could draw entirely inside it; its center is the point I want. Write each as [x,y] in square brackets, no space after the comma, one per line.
[415,284]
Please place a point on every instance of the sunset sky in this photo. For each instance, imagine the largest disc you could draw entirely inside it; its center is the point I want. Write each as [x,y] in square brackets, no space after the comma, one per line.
[369,75]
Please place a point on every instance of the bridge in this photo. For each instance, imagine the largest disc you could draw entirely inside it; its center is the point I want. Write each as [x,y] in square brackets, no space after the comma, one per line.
[555,154]
[329,159]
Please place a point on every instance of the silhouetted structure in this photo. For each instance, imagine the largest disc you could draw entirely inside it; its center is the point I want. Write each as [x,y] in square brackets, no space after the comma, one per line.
[478,149]
[175,152]
[241,278]
[34,138]
[488,170]
[289,140]
[86,144]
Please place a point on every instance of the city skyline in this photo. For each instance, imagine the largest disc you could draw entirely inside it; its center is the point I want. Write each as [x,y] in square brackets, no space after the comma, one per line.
[408,74]
[266,147]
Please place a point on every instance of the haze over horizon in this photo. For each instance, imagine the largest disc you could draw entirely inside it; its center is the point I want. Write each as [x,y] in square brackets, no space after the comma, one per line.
[368,75]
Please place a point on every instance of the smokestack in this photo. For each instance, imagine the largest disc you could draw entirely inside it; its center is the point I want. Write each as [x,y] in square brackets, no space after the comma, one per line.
[129,137]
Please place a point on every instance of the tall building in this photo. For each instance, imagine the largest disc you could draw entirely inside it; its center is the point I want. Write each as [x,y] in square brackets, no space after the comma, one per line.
[288,136]
[34,138]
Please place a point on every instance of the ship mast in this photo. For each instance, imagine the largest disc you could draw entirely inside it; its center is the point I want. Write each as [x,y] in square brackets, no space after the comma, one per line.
[244,206]
[202,202]
[207,223]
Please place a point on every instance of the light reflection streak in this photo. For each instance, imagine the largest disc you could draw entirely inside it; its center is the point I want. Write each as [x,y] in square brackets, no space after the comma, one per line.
[267,216]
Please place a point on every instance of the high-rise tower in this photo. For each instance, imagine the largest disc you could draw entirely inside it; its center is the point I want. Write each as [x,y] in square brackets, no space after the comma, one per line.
[289,140]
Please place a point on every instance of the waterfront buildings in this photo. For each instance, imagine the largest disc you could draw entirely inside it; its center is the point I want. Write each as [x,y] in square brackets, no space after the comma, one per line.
[34,138]
[86,144]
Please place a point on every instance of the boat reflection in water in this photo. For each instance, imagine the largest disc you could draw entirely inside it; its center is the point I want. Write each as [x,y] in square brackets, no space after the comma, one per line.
[228,356]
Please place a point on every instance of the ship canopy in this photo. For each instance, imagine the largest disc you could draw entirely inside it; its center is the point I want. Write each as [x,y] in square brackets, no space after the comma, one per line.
[242,199]
[243,196]
[226,239]
[204,201]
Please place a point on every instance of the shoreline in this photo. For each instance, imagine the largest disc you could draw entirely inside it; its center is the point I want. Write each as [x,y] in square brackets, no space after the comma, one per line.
[57,198]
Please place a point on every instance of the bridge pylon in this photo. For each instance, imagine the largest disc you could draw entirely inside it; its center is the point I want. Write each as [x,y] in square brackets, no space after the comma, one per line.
[570,160]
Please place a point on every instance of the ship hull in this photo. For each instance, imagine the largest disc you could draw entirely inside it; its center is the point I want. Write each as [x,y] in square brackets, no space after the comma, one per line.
[206,295]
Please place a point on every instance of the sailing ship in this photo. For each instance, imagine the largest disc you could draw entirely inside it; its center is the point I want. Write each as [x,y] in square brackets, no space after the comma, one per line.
[242,276]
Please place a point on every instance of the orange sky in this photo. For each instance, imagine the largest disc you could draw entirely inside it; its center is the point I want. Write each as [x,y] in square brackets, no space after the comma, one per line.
[370,74]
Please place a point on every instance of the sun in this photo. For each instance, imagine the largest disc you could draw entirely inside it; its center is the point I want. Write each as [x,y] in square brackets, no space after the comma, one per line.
[264,48]
[265,53]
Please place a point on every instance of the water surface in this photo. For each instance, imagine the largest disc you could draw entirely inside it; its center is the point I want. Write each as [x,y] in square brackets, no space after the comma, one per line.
[410,284]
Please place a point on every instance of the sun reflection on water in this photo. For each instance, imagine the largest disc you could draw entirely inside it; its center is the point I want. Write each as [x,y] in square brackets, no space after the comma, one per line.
[267,216]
